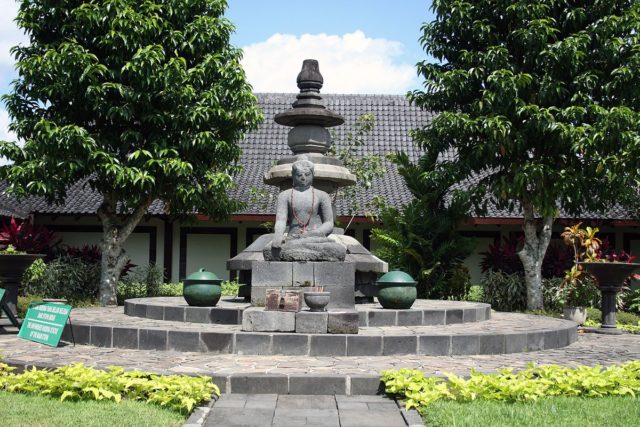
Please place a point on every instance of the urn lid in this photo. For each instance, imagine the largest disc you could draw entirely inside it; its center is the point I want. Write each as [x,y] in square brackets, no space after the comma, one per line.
[202,276]
[396,278]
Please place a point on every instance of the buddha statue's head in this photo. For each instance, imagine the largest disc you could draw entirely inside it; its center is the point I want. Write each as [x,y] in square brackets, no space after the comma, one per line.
[302,173]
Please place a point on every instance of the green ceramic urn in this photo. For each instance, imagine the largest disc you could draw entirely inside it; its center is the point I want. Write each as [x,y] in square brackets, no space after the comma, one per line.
[202,289]
[396,290]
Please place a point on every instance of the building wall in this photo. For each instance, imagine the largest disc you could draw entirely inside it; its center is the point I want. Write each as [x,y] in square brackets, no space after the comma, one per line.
[207,244]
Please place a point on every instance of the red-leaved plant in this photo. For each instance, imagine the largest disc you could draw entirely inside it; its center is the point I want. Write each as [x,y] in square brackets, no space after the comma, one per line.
[26,237]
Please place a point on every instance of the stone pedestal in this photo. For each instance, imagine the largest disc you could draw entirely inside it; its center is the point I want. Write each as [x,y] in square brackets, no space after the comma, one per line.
[256,319]
[336,277]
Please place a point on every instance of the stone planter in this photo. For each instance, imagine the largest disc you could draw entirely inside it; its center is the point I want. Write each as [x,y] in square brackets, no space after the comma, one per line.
[317,301]
[12,267]
[202,289]
[575,314]
[396,290]
[610,277]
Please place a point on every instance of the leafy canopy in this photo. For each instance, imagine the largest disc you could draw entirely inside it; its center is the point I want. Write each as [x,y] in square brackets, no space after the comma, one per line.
[539,100]
[145,99]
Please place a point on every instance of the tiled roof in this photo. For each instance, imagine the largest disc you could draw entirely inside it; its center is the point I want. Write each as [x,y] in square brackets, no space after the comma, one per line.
[394,118]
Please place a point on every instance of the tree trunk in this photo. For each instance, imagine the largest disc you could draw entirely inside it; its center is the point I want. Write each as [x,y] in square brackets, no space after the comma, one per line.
[115,232]
[532,253]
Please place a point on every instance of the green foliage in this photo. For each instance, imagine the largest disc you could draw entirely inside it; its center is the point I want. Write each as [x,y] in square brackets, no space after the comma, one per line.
[78,382]
[24,302]
[143,101]
[422,238]
[70,278]
[631,300]
[508,292]
[533,383]
[366,167]
[538,107]
[171,290]
[127,291]
[505,292]
[475,294]
[229,287]
[150,276]
[612,411]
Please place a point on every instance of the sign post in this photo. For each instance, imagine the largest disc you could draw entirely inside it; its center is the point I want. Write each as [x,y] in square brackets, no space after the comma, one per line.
[44,322]
[4,307]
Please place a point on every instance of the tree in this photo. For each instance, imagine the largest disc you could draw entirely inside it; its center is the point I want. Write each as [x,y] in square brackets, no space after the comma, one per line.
[539,104]
[143,100]
[422,238]
[366,167]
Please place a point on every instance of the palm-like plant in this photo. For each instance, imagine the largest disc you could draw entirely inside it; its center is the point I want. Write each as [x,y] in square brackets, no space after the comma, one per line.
[422,238]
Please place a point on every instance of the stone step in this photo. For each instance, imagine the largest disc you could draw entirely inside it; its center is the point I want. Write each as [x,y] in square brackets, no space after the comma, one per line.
[503,333]
[229,312]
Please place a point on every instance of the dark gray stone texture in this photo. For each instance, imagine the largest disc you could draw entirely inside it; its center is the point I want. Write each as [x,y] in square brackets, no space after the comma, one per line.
[256,319]
[328,345]
[399,345]
[434,345]
[359,345]
[125,338]
[253,343]
[343,322]
[309,384]
[291,344]
[259,384]
[308,322]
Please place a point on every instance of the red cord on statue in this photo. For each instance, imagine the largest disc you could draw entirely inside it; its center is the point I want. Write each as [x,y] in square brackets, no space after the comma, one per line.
[300,223]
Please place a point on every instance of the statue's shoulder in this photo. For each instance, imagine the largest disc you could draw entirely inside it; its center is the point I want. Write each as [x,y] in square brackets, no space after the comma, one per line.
[321,194]
[285,194]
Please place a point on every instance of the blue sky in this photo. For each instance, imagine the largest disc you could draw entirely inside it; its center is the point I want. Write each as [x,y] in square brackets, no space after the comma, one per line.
[364,46]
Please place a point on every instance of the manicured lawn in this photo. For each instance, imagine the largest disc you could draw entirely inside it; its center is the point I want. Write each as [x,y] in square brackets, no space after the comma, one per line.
[20,410]
[556,411]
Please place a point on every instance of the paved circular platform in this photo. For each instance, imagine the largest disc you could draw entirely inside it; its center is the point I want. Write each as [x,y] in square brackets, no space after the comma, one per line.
[503,333]
[229,310]
[310,374]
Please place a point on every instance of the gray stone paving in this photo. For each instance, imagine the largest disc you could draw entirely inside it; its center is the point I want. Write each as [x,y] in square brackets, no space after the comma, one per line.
[278,410]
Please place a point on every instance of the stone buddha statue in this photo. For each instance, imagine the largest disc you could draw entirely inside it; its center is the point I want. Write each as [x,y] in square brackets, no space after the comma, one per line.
[305,214]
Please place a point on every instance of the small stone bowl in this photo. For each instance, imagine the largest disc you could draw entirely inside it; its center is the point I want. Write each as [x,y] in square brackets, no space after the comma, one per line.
[317,301]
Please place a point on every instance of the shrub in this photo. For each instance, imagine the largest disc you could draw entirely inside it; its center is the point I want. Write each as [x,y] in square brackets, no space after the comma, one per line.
[69,278]
[27,237]
[505,292]
[475,294]
[503,256]
[533,383]
[24,302]
[631,300]
[148,277]
[76,382]
[171,290]
[229,287]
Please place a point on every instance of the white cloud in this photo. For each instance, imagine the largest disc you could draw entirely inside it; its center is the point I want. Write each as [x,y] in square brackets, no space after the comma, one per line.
[10,35]
[352,63]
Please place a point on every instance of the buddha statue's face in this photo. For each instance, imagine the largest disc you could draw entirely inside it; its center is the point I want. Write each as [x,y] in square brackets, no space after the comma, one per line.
[302,176]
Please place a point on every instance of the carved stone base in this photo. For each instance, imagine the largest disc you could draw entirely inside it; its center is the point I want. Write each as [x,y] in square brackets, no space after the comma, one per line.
[338,278]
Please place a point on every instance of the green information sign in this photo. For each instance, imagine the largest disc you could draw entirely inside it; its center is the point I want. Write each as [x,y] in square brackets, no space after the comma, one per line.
[45,322]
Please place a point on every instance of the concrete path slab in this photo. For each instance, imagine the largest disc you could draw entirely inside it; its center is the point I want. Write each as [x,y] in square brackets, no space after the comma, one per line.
[307,410]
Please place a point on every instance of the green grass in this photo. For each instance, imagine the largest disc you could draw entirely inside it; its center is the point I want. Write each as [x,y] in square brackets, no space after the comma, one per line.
[554,411]
[21,410]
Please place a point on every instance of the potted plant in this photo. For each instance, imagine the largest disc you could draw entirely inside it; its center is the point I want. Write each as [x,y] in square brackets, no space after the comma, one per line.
[609,269]
[21,243]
